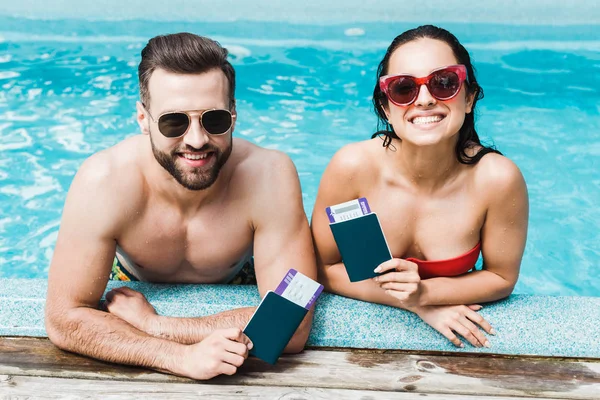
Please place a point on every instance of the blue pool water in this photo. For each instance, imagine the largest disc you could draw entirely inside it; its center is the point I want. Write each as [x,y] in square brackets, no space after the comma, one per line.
[68,89]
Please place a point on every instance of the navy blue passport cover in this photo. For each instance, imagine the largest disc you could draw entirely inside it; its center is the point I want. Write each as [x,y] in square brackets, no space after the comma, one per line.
[362,246]
[272,326]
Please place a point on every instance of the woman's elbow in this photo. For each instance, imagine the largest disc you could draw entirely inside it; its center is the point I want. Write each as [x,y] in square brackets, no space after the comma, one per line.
[506,288]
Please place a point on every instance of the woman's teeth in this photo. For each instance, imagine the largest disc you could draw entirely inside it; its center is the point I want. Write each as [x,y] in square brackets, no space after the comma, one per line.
[427,120]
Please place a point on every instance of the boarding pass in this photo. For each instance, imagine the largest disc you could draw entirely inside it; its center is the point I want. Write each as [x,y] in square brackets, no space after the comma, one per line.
[299,289]
[348,210]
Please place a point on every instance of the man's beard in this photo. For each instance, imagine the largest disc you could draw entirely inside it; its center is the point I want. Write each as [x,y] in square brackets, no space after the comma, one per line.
[196,178]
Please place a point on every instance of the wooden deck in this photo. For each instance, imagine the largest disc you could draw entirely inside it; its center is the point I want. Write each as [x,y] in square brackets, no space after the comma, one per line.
[34,368]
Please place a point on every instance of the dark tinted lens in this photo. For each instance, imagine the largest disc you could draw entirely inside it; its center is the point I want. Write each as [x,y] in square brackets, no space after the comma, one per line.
[444,84]
[402,90]
[216,121]
[174,124]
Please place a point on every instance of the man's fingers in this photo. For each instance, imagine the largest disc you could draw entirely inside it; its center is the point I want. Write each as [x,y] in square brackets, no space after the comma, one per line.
[128,291]
[227,369]
[232,334]
[233,359]
[238,348]
[245,340]
[110,296]
[237,335]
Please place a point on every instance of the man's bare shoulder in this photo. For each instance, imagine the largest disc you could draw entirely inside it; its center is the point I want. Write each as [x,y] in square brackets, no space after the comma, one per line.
[263,175]
[113,173]
[116,164]
[255,163]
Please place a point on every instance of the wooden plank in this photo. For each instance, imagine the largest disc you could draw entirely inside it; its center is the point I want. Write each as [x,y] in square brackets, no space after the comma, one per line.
[353,370]
[59,388]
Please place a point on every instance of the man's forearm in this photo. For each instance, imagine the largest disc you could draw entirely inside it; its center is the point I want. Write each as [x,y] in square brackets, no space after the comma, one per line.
[194,330]
[105,337]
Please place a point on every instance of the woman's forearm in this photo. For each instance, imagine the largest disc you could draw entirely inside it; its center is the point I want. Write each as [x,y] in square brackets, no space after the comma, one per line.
[471,288]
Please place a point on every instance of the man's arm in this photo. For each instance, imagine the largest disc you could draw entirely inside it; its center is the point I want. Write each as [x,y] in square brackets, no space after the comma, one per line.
[78,275]
[133,307]
[282,235]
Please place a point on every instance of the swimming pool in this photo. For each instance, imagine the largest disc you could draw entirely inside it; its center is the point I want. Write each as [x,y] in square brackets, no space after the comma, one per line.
[68,89]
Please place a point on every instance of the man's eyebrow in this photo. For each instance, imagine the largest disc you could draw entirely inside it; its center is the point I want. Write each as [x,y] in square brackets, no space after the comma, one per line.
[191,110]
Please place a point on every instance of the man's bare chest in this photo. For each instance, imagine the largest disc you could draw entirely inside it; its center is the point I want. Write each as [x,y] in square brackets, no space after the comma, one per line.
[197,249]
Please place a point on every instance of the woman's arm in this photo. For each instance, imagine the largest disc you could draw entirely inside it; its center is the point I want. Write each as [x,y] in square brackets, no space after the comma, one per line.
[503,238]
[344,179]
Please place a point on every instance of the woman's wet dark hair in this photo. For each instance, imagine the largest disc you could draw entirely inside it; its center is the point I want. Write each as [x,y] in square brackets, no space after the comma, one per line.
[467,136]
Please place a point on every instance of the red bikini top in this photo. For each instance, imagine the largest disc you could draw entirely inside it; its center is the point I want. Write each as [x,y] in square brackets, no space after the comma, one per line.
[451,267]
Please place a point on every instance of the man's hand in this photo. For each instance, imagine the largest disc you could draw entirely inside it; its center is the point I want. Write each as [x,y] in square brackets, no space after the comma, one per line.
[132,307]
[449,320]
[222,352]
[403,282]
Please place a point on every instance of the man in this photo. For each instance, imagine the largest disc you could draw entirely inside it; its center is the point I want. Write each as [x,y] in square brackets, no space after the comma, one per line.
[183,202]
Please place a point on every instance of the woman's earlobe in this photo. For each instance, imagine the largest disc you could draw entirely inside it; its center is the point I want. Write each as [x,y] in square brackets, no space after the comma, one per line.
[470,102]
[385,111]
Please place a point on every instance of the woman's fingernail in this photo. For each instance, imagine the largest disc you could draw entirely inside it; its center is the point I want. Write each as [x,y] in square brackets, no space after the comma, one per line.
[493,331]
[461,345]
[250,346]
[377,269]
[487,344]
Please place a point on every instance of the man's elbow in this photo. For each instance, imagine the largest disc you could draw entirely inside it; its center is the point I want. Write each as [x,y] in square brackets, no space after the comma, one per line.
[298,341]
[296,345]
[55,332]
[56,324]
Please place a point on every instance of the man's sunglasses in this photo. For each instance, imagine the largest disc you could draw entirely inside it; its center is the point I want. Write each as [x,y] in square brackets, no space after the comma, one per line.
[443,84]
[175,124]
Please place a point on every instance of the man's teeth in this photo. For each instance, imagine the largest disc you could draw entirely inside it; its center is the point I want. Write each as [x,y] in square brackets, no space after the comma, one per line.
[195,156]
[427,120]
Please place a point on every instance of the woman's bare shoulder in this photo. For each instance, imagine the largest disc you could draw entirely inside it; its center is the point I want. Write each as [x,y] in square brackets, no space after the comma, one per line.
[496,173]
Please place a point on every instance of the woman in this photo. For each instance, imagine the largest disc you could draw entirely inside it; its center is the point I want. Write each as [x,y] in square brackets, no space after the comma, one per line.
[440,195]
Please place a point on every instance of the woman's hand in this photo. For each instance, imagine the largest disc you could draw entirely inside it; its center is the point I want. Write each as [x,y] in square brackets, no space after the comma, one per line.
[403,282]
[462,320]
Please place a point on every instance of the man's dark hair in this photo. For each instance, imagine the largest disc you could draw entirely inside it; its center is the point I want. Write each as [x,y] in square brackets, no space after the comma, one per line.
[183,53]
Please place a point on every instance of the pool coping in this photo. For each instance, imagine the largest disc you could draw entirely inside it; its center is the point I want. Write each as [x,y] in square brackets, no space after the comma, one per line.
[525,324]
